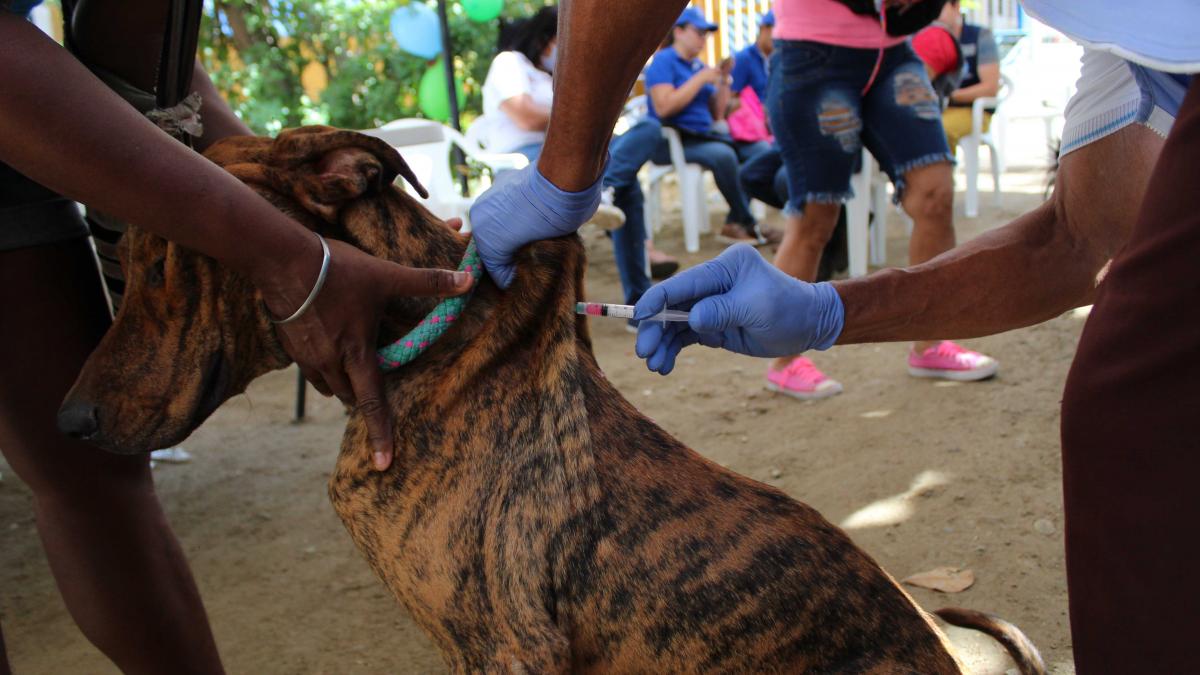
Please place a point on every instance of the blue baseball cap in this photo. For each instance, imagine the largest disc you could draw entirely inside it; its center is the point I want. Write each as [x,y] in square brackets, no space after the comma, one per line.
[694,17]
[768,19]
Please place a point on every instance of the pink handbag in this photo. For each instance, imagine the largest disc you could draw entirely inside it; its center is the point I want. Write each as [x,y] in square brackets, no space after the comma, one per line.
[749,122]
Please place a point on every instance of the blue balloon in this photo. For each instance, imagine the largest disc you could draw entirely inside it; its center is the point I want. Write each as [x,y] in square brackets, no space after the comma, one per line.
[417,30]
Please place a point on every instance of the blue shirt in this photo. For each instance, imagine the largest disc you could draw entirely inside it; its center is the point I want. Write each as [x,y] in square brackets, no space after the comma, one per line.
[750,70]
[668,67]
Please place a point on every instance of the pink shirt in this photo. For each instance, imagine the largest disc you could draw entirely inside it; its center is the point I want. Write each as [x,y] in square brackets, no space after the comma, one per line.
[830,22]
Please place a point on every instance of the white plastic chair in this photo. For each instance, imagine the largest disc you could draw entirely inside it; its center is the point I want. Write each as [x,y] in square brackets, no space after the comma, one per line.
[426,146]
[693,202]
[970,146]
[863,237]
[694,206]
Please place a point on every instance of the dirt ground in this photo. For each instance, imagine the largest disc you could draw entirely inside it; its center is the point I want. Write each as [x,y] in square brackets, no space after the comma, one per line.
[929,474]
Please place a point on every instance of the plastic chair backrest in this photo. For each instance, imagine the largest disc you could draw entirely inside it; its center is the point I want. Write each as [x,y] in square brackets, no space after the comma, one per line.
[980,104]
[637,106]
[476,134]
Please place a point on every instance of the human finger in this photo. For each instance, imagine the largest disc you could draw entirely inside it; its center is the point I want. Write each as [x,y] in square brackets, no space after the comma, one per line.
[713,314]
[681,339]
[339,384]
[426,282]
[314,378]
[662,361]
[454,224]
[649,335]
[367,382]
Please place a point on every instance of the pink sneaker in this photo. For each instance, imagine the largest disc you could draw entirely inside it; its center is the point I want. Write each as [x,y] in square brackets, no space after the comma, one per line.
[801,379]
[949,361]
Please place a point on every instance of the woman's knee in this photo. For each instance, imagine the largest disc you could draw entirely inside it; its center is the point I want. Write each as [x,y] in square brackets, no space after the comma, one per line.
[723,158]
[929,192]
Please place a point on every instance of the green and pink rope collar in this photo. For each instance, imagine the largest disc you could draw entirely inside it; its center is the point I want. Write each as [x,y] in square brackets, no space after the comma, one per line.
[435,324]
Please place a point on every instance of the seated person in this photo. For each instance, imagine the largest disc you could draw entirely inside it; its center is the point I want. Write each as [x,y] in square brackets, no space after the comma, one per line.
[519,87]
[626,155]
[747,116]
[689,96]
[980,67]
[750,64]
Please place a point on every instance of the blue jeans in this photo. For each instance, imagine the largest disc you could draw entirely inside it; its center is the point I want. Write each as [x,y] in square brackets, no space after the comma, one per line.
[531,151]
[627,153]
[822,119]
[764,178]
[748,150]
[722,160]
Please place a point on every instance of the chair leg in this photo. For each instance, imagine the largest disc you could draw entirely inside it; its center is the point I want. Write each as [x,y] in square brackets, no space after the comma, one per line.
[652,207]
[857,214]
[997,164]
[970,146]
[702,200]
[693,210]
[879,205]
[758,210]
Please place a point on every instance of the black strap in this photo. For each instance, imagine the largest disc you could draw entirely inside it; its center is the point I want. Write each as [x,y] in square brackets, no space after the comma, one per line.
[900,20]
[180,32]
[179,52]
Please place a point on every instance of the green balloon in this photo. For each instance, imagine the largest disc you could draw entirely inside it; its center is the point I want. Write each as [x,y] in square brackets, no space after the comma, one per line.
[482,10]
[432,96]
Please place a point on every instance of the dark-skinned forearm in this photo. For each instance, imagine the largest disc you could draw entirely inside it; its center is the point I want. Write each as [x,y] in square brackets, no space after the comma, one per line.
[1023,273]
[62,127]
[590,89]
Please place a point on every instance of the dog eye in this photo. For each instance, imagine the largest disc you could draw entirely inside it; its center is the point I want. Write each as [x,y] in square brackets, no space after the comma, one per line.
[154,275]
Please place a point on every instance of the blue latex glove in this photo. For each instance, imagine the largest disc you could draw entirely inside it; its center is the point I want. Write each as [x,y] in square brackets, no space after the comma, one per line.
[742,303]
[522,207]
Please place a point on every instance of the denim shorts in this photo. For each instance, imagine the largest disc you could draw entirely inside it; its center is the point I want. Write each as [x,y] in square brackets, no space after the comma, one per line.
[822,119]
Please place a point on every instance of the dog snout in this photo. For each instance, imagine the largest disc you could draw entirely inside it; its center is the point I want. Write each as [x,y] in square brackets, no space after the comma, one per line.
[78,419]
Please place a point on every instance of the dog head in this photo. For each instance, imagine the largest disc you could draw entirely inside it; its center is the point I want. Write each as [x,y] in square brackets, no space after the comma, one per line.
[190,334]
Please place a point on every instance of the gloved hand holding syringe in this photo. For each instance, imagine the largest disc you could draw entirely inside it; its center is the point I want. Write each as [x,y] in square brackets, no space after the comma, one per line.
[626,312]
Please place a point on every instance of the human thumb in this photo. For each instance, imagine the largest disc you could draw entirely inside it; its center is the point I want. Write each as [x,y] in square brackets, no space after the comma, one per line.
[429,282]
[713,314]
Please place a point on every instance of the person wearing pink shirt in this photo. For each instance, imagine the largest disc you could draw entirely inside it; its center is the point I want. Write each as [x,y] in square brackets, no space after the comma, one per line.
[841,81]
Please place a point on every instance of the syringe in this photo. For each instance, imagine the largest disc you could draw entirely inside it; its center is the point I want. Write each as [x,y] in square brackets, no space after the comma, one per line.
[626,311]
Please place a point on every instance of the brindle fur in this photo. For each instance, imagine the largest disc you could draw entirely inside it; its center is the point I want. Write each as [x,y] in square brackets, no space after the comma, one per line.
[533,520]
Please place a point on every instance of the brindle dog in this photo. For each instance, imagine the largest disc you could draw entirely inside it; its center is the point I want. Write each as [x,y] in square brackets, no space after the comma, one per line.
[533,519]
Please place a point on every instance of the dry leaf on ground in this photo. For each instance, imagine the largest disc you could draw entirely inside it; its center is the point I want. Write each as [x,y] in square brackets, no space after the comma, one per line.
[944,579]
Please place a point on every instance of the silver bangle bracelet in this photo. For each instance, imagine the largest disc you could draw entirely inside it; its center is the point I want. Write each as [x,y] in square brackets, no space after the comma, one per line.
[312,296]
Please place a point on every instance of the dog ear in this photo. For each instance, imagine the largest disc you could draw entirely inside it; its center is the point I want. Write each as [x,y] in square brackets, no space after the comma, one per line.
[338,177]
[306,145]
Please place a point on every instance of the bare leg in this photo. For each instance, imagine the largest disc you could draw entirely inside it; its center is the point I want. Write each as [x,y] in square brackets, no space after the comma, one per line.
[119,568]
[799,253]
[929,201]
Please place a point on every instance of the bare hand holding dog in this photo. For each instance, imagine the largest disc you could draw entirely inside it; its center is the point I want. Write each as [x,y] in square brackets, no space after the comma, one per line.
[334,341]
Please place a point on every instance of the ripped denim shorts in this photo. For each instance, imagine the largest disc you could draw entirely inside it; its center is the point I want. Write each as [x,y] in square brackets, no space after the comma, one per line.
[822,119]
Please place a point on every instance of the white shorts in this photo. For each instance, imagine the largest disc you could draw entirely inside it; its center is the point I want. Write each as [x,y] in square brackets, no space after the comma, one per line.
[1113,93]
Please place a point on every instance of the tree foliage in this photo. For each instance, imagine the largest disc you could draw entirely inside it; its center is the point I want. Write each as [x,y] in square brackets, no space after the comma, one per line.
[257,51]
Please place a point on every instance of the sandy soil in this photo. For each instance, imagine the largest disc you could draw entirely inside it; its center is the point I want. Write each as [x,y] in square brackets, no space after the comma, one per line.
[953,474]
